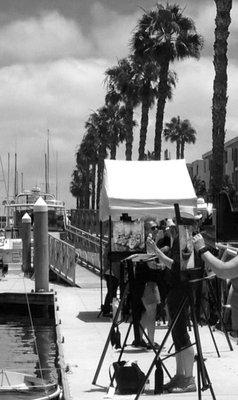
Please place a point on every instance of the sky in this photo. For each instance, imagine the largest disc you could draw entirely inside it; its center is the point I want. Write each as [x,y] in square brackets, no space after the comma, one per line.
[53,57]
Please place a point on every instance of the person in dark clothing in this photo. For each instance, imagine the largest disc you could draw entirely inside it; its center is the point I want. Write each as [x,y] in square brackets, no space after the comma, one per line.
[183,381]
[112,277]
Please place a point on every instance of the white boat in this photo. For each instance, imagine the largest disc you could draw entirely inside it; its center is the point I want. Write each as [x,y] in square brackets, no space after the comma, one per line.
[24,202]
[16,385]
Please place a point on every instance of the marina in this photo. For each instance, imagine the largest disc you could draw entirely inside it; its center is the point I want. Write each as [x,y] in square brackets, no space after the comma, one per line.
[82,331]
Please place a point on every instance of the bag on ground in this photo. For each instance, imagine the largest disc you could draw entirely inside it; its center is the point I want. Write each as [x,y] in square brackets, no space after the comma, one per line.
[128,376]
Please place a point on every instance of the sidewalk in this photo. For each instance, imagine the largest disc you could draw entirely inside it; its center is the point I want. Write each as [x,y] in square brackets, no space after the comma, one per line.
[85,334]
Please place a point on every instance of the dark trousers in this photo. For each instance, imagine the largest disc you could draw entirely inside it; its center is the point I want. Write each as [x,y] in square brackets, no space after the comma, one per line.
[112,286]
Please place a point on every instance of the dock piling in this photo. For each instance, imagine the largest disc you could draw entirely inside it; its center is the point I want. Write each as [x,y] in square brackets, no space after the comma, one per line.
[26,243]
[41,247]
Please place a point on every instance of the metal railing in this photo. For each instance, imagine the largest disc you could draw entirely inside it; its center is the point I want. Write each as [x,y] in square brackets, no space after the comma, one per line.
[62,259]
[88,247]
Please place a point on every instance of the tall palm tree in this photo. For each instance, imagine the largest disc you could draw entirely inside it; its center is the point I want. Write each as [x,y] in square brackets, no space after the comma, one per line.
[115,120]
[164,35]
[76,187]
[147,74]
[90,148]
[120,81]
[181,132]
[219,101]
[97,122]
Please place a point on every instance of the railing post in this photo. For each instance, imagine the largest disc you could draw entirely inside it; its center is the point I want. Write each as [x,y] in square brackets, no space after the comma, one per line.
[41,246]
[26,243]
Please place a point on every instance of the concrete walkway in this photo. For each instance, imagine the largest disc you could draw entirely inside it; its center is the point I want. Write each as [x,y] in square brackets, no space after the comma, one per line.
[84,335]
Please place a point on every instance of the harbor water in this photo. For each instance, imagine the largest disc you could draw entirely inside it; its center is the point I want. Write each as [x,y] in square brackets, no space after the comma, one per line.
[28,343]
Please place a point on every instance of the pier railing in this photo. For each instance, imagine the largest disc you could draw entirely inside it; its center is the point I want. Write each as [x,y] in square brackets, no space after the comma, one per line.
[87,247]
[62,258]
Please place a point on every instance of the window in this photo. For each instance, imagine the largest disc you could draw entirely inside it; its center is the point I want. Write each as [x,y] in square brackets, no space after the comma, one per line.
[235,157]
[225,157]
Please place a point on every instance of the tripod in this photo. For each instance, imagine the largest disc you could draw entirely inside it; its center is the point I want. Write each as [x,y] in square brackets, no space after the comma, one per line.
[203,379]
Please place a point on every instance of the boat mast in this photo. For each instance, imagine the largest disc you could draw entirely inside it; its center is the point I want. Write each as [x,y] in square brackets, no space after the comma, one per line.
[47,164]
[15,178]
[56,176]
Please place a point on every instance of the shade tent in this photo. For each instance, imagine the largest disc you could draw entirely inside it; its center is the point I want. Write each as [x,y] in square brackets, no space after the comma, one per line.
[146,188]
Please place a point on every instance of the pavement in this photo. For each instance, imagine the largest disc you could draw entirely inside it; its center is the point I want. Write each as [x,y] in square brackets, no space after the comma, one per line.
[84,333]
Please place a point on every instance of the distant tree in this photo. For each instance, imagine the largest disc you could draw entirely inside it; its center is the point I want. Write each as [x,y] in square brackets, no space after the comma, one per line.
[181,132]
[219,101]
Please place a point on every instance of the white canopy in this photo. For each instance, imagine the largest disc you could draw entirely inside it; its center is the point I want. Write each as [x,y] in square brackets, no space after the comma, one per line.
[146,188]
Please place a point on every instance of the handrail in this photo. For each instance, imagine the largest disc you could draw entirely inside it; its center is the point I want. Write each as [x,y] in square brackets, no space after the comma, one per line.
[87,247]
[62,259]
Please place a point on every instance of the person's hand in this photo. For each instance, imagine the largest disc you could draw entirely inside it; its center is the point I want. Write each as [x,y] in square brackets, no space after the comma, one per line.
[198,242]
[150,243]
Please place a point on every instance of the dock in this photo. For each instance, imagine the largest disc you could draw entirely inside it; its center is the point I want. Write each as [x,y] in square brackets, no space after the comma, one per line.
[84,332]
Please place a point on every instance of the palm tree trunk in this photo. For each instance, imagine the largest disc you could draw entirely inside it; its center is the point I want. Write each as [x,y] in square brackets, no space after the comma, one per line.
[93,186]
[101,156]
[162,95]
[143,127]
[129,135]
[177,149]
[219,100]
[113,151]
[182,149]
[87,189]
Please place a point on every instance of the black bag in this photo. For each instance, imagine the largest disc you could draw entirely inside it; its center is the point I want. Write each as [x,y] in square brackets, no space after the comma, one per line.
[129,378]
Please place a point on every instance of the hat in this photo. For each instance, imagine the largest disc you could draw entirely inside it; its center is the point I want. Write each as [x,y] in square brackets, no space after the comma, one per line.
[169,223]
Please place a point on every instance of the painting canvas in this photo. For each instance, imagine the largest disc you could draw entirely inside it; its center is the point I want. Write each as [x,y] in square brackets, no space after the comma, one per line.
[128,236]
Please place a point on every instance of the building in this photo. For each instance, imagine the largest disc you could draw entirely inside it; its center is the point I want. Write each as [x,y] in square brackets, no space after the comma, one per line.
[202,168]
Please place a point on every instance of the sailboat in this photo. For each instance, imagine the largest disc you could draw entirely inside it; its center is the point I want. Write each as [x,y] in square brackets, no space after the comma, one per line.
[24,386]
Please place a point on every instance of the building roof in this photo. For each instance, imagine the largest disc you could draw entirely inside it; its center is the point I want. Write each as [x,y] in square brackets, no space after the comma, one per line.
[227,144]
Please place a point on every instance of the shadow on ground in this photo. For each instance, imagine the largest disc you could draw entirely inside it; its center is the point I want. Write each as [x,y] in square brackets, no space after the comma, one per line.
[92,316]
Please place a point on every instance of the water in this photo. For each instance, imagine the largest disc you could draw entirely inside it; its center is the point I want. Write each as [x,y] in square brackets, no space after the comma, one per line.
[19,345]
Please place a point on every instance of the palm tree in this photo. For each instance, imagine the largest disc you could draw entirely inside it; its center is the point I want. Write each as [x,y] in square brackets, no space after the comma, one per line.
[76,187]
[147,77]
[171,132]
[164,35]
[115,119]
[147,74]
[219,100]
[121,85]
[97,122]
[180,132]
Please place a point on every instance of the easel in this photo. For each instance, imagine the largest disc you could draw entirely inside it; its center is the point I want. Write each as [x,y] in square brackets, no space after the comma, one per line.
[129,288]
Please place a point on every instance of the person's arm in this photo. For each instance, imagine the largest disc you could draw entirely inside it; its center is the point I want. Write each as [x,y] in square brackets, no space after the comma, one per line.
[161,256]
[223,269]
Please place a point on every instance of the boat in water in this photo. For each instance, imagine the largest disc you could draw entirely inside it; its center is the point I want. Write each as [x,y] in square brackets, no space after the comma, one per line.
[20,386]
[24,202]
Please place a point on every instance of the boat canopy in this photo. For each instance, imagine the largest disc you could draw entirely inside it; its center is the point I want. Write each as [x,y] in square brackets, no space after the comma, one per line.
[146,189]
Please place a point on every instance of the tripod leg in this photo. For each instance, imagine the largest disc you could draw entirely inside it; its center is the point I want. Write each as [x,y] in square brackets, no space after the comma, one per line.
[121,351]
[203,374]
[198,379]
[220,316]
[157,355]
[210,329]
[114,322]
